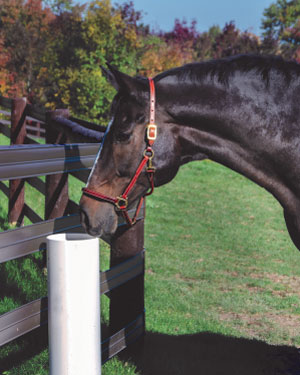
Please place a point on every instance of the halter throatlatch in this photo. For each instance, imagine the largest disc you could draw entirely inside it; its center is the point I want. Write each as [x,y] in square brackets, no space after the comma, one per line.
[121,202]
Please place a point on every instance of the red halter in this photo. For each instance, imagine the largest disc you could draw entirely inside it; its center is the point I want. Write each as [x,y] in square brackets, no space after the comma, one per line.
[121,202]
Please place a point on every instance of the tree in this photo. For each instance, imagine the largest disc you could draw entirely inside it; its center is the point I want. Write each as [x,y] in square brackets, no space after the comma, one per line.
[181,32]
[8,86]
[279,16]
[23,28]
[281,27]
[80,41]
[233,42]
[59,6]
[160,55]
[205,42]
[162,51]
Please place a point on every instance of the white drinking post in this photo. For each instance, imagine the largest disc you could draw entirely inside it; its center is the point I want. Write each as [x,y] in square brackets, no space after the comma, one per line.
[74,304]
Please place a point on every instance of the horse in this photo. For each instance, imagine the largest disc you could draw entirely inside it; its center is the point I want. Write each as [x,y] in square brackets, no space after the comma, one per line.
[242,111]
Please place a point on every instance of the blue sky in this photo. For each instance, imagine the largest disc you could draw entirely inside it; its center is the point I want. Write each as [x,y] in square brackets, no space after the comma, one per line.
[160,14]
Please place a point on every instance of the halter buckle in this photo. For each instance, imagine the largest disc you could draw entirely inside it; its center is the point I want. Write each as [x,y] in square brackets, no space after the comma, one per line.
[151,132]
[121,203]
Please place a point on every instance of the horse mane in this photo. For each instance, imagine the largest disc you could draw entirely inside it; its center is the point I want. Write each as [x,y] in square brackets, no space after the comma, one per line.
[224,68]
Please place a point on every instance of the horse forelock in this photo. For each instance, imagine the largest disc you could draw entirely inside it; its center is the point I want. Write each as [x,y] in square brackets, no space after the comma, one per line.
[223,69]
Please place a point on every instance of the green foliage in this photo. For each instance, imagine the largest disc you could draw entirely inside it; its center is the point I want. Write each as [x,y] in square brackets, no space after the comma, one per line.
[71,72]
[281,28]
[280,15]
[204,43]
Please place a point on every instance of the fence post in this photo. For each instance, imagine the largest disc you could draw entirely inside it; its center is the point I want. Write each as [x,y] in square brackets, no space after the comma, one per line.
[126,301]
[17,137]
[56,196]
[74,304]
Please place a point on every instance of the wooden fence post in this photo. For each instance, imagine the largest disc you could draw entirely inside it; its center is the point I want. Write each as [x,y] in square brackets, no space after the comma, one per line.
[126,301]
[56,196]
[17,137]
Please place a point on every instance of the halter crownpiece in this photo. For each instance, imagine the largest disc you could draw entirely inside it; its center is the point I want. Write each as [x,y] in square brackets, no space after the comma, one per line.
[151,128]
[121,202]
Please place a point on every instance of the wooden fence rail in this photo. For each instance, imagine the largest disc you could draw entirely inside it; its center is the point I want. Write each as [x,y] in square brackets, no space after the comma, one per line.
[25,163]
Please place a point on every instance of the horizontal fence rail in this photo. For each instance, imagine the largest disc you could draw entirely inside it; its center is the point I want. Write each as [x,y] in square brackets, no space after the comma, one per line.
[24,161]
[37,123]
[92,133]
[16,243]
[35,128]
[122,339]
[22,320]
[34,314]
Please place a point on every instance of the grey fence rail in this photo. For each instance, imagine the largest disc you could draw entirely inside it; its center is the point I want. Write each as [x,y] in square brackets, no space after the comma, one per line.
[25,161]
[36,160]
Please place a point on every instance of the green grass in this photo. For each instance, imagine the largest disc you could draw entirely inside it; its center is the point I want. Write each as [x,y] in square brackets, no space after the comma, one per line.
[222,281]
[219,230]
[4,141]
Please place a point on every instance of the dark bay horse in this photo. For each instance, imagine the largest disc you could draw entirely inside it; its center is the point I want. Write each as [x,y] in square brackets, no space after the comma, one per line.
[242,112]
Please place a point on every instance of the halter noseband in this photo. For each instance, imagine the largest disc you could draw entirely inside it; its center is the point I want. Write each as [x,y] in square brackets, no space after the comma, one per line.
[121,202]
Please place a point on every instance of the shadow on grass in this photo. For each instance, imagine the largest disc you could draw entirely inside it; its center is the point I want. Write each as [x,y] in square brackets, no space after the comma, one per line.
[20,350]
[199,354]
[19,284]
[211,354]
[17,352]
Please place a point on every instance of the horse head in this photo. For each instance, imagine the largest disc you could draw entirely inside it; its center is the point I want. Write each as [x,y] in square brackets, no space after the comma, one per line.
[127,153]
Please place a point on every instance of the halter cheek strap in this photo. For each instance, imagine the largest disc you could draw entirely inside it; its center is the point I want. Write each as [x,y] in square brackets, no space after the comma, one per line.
[121,202]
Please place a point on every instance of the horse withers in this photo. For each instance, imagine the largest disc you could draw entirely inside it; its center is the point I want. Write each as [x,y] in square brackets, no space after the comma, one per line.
[242,112]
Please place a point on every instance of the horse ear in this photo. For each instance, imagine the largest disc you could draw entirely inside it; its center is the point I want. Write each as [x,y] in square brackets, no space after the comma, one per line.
[121,81]
[110,77]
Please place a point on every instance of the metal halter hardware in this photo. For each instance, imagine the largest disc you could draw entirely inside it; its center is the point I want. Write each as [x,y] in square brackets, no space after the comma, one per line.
[121,202]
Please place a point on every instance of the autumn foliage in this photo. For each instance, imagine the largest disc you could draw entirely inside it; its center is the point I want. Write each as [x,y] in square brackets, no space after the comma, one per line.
[51,51]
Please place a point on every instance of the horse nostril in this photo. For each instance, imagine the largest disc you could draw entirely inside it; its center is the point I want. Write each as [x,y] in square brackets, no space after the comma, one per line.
[84,218]
[85,222]
[95,232]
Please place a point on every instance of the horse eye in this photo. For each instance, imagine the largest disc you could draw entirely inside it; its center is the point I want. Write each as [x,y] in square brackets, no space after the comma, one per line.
[122,137]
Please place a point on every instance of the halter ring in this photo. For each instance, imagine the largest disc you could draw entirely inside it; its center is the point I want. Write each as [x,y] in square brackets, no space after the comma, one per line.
[121,203]
[149,152]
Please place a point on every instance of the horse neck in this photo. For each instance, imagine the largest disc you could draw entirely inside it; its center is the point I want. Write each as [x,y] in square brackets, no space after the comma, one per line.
[235,126]
[213,120]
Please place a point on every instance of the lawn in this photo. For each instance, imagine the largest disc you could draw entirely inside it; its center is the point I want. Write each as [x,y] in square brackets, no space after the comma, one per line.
[222,283]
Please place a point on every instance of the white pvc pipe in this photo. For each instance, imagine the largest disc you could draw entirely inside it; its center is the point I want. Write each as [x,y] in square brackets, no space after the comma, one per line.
[74,304]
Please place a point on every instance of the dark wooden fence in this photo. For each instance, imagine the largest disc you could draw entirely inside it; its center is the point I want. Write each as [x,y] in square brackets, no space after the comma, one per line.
[24,161]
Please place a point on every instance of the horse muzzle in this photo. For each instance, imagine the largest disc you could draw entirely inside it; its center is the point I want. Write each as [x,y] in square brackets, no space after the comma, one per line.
[99,219]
